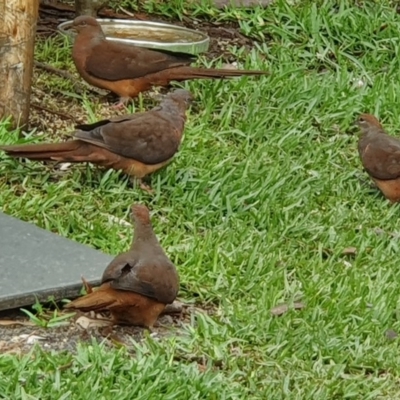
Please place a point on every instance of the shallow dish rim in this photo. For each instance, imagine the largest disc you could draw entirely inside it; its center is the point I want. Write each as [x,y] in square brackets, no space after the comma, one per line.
[194,47]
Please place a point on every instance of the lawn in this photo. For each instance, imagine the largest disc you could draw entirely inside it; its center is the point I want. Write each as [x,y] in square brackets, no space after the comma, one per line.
[257,209]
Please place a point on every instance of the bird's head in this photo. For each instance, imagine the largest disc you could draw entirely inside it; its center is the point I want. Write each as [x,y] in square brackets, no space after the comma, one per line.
[367,121]
[84,23]
[140,214]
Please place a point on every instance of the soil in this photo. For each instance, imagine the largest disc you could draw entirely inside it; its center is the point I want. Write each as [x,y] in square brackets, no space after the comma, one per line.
[18,334]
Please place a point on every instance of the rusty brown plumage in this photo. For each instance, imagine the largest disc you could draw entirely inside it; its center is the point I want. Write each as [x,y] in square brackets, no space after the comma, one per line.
[136,285]
[128,70]
[380,156]
[138,144]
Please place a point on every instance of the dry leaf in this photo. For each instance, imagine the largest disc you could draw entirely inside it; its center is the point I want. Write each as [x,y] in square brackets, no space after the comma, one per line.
[9,348]
[175,308]
[233,65]
[347,264]
[391,334]
[379,231]
[202,368]
[65,166]
[115,220]
[87,323]
[31,339]
[283,308]
[8,322]
[349,251]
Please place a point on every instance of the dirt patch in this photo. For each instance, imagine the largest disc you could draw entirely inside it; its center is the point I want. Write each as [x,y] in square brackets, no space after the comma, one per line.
[55,114]
[20,337]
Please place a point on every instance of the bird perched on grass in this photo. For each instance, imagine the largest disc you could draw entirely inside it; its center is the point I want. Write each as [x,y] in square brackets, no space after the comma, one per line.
[138,144]
[137,285]
[128,70]
[380,156]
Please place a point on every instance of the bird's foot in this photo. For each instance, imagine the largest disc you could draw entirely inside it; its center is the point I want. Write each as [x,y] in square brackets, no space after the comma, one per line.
[122,103]
[146,187]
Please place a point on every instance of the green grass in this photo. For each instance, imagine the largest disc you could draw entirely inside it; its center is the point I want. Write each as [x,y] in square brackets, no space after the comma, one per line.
[257,208]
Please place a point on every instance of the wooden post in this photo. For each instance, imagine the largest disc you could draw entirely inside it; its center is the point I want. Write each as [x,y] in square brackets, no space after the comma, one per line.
[18,20]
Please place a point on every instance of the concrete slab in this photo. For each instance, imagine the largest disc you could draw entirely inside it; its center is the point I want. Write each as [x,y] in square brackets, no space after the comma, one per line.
[35,262]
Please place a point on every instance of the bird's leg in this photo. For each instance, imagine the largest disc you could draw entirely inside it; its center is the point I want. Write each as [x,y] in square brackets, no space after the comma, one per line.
[147,188]
[143,185]
[151,329]
[107,330]
[123,101]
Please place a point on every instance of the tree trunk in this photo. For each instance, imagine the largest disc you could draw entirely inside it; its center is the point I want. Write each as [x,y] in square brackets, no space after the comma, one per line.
[88,7]
[18,20]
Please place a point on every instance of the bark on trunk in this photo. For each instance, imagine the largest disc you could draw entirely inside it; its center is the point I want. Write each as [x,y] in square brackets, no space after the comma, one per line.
[18,20]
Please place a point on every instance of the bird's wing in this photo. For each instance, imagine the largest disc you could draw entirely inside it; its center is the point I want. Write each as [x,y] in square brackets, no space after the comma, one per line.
[117,61]
[381,157]
[145,137]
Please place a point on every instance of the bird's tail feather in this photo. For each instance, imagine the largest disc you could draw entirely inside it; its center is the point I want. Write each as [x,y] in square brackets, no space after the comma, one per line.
[73,150]
[184,73]
[95,301]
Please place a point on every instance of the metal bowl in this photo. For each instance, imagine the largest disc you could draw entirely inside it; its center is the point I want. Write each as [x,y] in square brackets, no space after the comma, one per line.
[154,35]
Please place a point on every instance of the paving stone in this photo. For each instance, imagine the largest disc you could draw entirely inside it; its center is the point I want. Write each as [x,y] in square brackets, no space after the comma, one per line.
[36,262]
